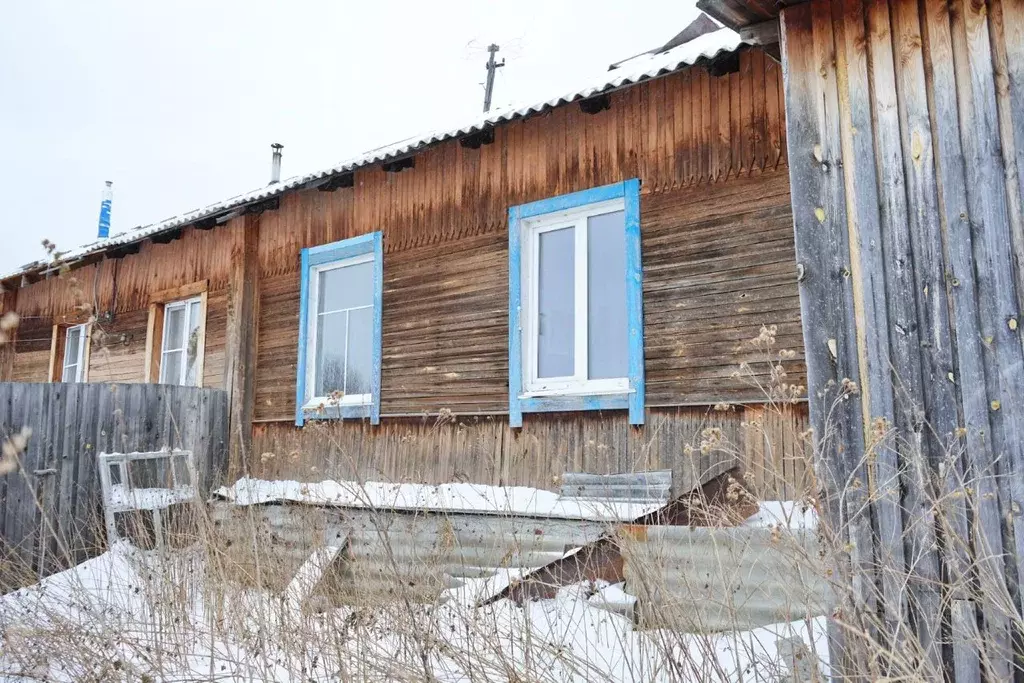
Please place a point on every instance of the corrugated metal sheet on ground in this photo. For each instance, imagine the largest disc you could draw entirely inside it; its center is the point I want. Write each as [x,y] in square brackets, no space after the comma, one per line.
[638,70]
[636,487]
[390,553]
[721,579]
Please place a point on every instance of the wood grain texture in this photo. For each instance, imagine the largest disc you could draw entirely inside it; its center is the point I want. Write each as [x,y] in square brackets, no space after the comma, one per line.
[771,441]
[718,264]
[916,103]
[649,132]
[58,480]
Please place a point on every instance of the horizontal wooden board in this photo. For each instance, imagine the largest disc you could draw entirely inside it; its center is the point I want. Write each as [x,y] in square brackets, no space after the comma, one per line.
[718,265]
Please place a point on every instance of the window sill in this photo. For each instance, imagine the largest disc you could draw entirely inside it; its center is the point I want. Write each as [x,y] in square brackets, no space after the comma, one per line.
[574,393]
[343,411]
[572,402]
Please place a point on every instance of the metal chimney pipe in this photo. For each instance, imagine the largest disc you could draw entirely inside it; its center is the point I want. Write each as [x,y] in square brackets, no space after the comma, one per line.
[108,199]
[275,163]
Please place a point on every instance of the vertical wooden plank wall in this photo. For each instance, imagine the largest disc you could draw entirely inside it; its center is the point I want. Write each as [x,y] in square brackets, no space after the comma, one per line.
[904,122]
[50,514]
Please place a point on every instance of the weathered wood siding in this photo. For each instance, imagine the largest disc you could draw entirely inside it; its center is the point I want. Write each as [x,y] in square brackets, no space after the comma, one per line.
[706,150]
[118,291]
[718,264]
[905,126]
[771,441]
[51,509]
[32,349]
[717,252]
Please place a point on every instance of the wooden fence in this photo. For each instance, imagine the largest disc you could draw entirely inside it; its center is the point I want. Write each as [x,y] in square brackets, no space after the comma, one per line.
[905,138]
[50,508]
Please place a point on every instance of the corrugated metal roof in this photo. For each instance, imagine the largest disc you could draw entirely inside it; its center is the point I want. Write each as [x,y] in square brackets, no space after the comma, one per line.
[636,70]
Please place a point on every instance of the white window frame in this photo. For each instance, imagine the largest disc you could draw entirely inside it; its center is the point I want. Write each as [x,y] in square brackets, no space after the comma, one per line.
[123,497]
[79,361]
[578,382]
[314,402]
[186,332]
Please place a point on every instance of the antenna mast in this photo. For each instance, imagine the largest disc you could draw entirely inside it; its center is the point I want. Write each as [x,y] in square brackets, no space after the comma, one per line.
[492,68]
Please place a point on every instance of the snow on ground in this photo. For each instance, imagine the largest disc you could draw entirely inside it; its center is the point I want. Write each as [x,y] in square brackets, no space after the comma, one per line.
[787,514]
[472,498]
[127,615]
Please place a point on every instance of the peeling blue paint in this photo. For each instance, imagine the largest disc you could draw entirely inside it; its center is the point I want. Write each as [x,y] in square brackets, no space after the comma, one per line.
[515,338]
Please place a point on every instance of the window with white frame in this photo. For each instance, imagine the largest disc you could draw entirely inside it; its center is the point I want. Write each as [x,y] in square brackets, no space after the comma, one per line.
[76,338]
[182,336]
[339,339]
[574,317]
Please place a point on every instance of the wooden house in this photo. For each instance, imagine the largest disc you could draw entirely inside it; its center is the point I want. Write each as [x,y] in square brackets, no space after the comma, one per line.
[865,198]
[360,317]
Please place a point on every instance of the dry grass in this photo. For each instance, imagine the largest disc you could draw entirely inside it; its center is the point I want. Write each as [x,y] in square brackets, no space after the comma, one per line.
[211,605]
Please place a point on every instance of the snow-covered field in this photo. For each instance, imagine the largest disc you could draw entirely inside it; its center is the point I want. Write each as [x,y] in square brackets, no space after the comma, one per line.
[128,615]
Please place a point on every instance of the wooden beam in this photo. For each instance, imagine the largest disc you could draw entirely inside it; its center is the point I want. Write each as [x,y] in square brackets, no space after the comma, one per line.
[8,303]
[87,352]
[154,337]
[765,33]
[123,250]
[272,204]
[240,346]
[726,64]
[56,355]
[164,296]
[201,342]
[167,236]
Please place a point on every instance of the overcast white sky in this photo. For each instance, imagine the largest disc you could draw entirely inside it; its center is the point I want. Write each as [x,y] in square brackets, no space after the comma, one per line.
[177,102]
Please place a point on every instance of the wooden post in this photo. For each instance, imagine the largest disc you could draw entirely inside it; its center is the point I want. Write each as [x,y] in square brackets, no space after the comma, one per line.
[240,350]
[8,303]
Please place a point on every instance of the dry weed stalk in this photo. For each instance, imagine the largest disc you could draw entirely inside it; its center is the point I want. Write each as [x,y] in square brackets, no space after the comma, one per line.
[212,609]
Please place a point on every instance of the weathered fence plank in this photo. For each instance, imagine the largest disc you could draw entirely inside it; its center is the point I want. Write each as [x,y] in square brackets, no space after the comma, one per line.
[940,362]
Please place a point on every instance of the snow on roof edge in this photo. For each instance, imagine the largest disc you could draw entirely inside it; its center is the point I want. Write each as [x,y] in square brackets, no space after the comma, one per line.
[706,46]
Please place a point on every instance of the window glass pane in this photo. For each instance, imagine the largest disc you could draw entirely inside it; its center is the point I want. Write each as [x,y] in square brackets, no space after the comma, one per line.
[72,347]
[174,327]
[191,367]
[330,354]
[192,344]
[70,374]
[345,287]
[170,368]
[150,473]
[555,317]
[179,465]
[360,351]
[607,327]
[115,474]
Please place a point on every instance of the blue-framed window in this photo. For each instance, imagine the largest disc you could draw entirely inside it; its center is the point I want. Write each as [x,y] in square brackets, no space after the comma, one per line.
[576,303]
[340,330]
